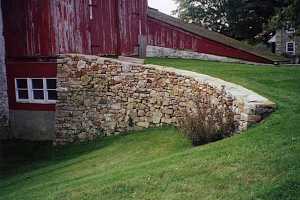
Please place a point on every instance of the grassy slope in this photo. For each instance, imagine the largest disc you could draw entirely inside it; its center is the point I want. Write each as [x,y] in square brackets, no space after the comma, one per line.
[264,163]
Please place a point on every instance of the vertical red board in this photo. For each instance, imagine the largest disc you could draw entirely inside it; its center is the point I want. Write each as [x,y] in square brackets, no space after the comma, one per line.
[132,16]
[71,26]
[103,27]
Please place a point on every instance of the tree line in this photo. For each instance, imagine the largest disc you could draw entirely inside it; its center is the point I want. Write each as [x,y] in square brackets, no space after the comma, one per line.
[241,19]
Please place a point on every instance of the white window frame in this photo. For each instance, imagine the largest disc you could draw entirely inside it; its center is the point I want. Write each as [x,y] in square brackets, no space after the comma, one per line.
[17,91]
[46,90]
[294,45]
[30,92]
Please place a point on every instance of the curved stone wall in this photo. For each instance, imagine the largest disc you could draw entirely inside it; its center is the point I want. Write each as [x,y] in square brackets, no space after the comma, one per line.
[99,96]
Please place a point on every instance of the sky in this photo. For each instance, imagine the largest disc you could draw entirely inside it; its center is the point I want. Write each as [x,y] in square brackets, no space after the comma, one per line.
[165,6]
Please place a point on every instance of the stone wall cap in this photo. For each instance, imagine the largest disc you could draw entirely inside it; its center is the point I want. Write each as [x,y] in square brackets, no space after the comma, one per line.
[237,91]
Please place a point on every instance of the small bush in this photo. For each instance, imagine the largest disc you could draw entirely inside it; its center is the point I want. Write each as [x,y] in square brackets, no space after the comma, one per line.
[206,123]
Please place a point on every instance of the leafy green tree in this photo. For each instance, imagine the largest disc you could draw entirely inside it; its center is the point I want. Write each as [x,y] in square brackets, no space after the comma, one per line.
[287,13]
[241,19]
[205,12]
[246,17]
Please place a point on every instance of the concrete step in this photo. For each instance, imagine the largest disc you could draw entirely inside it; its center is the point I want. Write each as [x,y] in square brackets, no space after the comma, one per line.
[131,60]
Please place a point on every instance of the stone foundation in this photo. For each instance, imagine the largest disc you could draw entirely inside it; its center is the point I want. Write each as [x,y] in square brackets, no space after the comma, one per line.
[32,125]
[3,106]
[3,86]
[99,97]
[162,52]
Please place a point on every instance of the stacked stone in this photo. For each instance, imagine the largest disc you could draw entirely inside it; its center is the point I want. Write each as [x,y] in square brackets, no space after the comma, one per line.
[3,104]
[3,86]
[100,97]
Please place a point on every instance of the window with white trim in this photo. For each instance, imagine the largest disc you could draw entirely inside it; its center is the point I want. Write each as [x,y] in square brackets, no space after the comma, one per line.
[290,47]
[22,93]
[36,90]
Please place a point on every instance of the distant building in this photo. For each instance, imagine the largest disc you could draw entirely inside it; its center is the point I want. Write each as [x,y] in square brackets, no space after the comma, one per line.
[287,43]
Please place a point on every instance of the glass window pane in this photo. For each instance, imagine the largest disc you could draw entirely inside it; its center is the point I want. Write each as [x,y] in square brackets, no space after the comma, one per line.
[38,94]
[23,94]
[22,83]
[52,95]
[37,83]
[51,84]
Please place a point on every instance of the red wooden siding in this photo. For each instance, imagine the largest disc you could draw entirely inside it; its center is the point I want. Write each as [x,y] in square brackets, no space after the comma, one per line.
[117,25]
[71,26]
[51,27]
[28,70]
[132,24]
[165,35]
[46,27]
[27,28]
[104,27]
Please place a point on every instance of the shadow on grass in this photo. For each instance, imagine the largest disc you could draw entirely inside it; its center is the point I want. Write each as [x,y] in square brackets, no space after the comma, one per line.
[287,191]
[19,156]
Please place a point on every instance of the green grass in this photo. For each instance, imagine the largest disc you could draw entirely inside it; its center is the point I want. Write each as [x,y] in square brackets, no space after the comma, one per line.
[262,163]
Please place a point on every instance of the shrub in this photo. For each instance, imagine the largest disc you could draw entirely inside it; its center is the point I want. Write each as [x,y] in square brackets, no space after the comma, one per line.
[206,123]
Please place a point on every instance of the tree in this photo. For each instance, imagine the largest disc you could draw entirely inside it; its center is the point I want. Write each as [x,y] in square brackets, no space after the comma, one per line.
[206,12]
[241,19]
[246,17]
[287,13]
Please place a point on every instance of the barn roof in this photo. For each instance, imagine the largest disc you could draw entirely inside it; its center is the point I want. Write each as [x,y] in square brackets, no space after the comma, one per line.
[203,32]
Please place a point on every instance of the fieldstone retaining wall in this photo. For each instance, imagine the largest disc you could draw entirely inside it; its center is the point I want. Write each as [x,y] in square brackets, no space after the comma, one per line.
[4,113]
[99,96]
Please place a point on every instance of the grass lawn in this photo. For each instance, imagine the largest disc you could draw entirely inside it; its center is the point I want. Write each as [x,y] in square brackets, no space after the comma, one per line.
[263,163]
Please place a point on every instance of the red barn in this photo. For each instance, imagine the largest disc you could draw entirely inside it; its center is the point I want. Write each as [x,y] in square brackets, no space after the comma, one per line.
[37,31]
